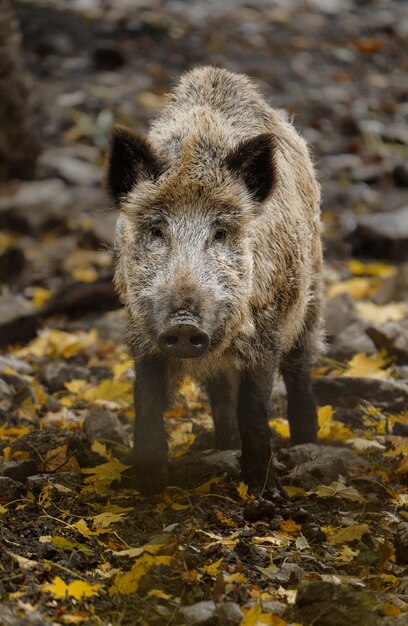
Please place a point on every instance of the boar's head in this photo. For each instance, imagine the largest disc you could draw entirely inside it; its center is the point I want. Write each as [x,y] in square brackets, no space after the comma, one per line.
[185,239]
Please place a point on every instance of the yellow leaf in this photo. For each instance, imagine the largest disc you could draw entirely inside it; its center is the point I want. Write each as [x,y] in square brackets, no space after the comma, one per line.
[281,426]
[242,491]
[129,582]
[85,274]
[77,589]
[255,617]
[104,520]
[337,488]
[68,545]
[373,269]
[238,577]
[76,385]
[40,296]
[158,593]
[402,467]
[121,368]
[111,390]
[54,343]
[226,521]
[330,428]
[294,491]
[345,555]
[3,510]
[368,366]
[361,444]
[213,568]
[390,609]
[356,287]
[82,527]
[391,312]
[101,449]
[102,476]
[350,533]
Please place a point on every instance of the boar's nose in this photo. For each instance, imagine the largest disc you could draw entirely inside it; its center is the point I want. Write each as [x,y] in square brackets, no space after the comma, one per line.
[183,341]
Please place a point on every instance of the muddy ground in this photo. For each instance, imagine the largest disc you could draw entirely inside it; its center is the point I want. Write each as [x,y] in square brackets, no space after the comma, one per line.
[78,544]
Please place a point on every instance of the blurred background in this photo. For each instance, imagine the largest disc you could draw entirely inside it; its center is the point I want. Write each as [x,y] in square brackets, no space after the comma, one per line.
[69,69]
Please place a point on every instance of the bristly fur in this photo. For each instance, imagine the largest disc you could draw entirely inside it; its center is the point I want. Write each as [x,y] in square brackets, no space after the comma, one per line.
[218,154]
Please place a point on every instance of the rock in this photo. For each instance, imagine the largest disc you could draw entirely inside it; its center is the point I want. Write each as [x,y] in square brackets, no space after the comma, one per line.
[339,313]
[229,613]
[12,263]
[349,391]
[55,374]
[18,470]
[289,575]
[11,489]
[312,465]
[351,340]
[12,307]
[71,169]
[102,425]
[325,604]
[103,227]
[37,482]
[394,288]
[199,614]
[11,362]
[195,468]
[35,205]
[393,337]
[6,395]
[401,544]
[395,620]
[383,234]
[39,442]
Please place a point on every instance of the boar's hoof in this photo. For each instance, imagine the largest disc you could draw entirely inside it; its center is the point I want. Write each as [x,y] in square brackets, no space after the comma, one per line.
[150,479]
[183,341]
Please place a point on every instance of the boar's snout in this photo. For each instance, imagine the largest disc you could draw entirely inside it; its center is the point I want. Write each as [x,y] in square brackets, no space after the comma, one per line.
[182,340]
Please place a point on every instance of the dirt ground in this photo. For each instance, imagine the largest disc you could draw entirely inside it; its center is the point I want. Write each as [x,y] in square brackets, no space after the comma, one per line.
[78,545]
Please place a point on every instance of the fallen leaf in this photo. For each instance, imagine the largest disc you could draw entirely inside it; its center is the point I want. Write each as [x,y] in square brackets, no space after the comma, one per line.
[330,429]
[104,520]
[350,533]
[281,426]
[361,444]
[337,488]
[357,288]
[77,589]
[129,582]
[382,270]
[213,568]
[391,312]
[373,366]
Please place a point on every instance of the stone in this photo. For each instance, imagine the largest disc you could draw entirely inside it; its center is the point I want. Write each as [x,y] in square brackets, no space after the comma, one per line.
[18,470]
[401,544]
[39,442]
[349,391]
[12,307]
[384,234]
[351,340]
[11,362]
[71,169]
[112,326]
[35,205]
[289,575]
[199,614]
[229,613]
[11,489]
[6,395]
[311,464]
[37,482]
[339,312]
[393,337]
[195,468]
[102,425]
[55,374]
[325,604]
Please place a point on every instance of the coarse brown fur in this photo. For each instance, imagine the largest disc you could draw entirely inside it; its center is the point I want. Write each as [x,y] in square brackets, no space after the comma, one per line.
[219,155]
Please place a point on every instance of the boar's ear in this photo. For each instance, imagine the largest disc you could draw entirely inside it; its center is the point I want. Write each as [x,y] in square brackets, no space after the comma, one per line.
[130,159]
[253,161]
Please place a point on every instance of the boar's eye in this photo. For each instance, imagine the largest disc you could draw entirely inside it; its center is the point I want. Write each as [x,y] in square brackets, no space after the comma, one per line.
[220,235]
[156,233]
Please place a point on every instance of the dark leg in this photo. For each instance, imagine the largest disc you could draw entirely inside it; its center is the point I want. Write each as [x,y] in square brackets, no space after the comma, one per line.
[223,394]
[301,405]
[253,401]
[149,457]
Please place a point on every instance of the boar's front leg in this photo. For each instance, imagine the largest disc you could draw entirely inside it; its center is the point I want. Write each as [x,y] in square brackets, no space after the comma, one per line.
[253,402]
[149,458]
[301,404]
[223,393]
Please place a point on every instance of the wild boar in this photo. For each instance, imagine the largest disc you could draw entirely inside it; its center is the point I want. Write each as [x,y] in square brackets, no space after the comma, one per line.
[218,262]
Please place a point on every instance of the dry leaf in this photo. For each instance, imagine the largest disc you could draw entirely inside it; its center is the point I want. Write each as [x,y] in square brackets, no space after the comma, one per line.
[330,429]
[391,312]
[373,366]
[350,533]
[337,488]
[129,582]
[381,270]
[77,589]
[356,287]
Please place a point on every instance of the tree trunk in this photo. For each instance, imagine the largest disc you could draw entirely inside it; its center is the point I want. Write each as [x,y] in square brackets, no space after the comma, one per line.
[19,143]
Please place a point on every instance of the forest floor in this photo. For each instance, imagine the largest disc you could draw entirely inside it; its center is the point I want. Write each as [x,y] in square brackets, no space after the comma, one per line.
[78,545]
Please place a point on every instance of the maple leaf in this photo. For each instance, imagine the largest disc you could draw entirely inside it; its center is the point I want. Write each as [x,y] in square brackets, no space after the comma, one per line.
[344,535]
[77,589]
[329,428]
[357,287]
[129,582]
[373,366]
[382,270]
[102,476]
[391,312]
[337,488]
[213,568]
